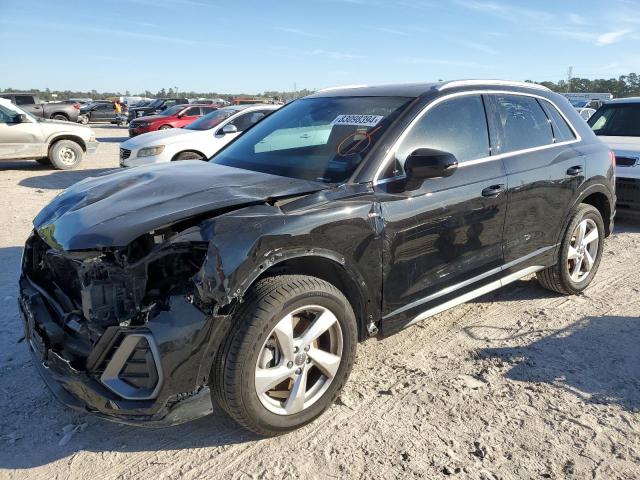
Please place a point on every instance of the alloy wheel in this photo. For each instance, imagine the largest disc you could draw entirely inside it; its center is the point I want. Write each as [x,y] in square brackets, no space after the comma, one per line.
[583,250]
[299,360]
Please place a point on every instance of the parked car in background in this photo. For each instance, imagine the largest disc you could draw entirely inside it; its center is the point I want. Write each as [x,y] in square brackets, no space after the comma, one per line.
[245,283]
[49,142]
[177,116]
[32,104]
[617,123]
[97,112]
[155,107]
[197,141]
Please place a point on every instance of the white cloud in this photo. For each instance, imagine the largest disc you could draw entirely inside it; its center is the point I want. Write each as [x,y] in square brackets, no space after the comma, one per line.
[297,31]
[335,55]
[612,37]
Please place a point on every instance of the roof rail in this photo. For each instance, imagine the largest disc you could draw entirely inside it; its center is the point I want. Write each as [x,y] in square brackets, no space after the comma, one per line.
[328,89]
[501,83]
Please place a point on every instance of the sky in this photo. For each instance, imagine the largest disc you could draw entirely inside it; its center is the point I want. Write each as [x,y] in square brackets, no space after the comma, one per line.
[251,46]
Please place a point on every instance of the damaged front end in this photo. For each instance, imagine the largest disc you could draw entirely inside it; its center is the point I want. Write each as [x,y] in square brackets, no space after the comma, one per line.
[122,332]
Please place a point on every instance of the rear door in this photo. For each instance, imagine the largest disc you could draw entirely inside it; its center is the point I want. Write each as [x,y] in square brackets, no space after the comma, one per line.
[544,171]
[444,239]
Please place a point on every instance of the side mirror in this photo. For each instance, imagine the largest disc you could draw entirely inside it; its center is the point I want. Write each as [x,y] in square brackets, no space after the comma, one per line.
[229,128]
[21,118]
[425,163]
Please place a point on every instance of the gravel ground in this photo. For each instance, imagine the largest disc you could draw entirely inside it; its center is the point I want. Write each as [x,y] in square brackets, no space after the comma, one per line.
[520,383]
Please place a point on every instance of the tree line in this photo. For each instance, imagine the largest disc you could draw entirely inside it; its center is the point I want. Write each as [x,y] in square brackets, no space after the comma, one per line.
[623,86]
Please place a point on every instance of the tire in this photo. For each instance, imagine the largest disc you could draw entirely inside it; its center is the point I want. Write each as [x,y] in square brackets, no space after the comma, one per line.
[563,277]
[84,120]
[236,370]
[44,161]
[165,127]
[60,116]
[65,155]
[188,156]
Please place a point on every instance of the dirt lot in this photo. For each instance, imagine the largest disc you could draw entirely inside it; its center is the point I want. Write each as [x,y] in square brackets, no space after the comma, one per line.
[520,384]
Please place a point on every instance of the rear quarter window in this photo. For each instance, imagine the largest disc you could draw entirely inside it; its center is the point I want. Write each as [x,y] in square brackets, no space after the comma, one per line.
[561,129]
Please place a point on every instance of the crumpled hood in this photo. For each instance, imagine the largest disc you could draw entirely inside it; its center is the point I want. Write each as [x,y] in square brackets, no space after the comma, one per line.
[114,209]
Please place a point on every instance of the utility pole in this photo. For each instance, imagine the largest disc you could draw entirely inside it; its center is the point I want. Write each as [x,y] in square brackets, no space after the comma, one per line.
[569,77]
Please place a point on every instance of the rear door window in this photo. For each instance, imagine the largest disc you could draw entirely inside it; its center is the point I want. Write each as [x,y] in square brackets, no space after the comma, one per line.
[522,123]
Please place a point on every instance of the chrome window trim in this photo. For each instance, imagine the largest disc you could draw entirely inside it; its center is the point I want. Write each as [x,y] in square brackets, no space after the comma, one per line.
[393,150]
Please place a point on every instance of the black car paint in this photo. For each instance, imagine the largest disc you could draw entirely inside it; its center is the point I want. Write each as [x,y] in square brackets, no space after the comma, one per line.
[391,248]
[135,112]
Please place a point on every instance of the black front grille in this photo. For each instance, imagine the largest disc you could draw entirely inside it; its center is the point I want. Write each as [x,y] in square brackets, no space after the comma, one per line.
[124,153]
[625,161]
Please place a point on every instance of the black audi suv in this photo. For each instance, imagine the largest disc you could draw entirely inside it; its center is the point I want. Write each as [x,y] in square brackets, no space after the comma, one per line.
[155,294]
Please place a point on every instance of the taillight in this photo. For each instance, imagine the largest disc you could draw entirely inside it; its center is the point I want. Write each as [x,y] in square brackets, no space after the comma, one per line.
[76,106]
[612,156]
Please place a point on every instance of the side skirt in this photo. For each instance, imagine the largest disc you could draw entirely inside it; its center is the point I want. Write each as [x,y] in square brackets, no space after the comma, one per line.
[477,293]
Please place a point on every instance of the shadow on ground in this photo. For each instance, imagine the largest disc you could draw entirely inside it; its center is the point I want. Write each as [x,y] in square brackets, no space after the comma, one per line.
[59,179]
[596,358]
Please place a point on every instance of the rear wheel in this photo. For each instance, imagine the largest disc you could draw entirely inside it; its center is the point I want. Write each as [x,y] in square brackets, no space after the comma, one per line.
[60,116]
[65,155]
[580,253]
[189,156]
[288,356]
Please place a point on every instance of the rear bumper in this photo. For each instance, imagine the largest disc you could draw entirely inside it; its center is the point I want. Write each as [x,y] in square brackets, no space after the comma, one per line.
[185,341]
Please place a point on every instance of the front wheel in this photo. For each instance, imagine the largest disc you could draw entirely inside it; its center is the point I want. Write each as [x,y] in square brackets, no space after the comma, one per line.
[288,355]
[189,156]
[165,127]
[65,155]
[580,253]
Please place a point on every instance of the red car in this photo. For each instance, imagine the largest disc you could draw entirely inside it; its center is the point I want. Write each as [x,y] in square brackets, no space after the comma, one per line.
[177,116]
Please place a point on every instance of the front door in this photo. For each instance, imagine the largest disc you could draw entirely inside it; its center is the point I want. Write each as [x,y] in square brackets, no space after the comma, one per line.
[442,239]
[19,140]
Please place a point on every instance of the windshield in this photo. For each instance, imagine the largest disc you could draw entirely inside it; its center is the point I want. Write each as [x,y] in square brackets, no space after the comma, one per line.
[322,139]
[211,119]
[617,120]
[156,103]
[171,111]
[579,103]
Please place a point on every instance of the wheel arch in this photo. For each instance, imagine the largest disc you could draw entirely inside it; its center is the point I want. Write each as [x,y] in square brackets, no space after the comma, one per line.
[189,150]
[599,197]
[74,138]
[330,268]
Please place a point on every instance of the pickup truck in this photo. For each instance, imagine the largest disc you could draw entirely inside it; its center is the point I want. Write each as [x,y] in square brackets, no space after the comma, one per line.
[49,142]
[32,104]
[155,107]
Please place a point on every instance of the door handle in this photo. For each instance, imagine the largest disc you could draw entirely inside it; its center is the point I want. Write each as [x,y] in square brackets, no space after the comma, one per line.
[493,190]
[573,171]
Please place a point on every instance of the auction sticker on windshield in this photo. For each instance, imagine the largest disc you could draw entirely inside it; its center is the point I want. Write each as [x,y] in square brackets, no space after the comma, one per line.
[359,120]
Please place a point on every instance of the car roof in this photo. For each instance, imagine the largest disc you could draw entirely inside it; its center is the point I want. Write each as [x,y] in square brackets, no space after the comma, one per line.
[419,89]
[624,100]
